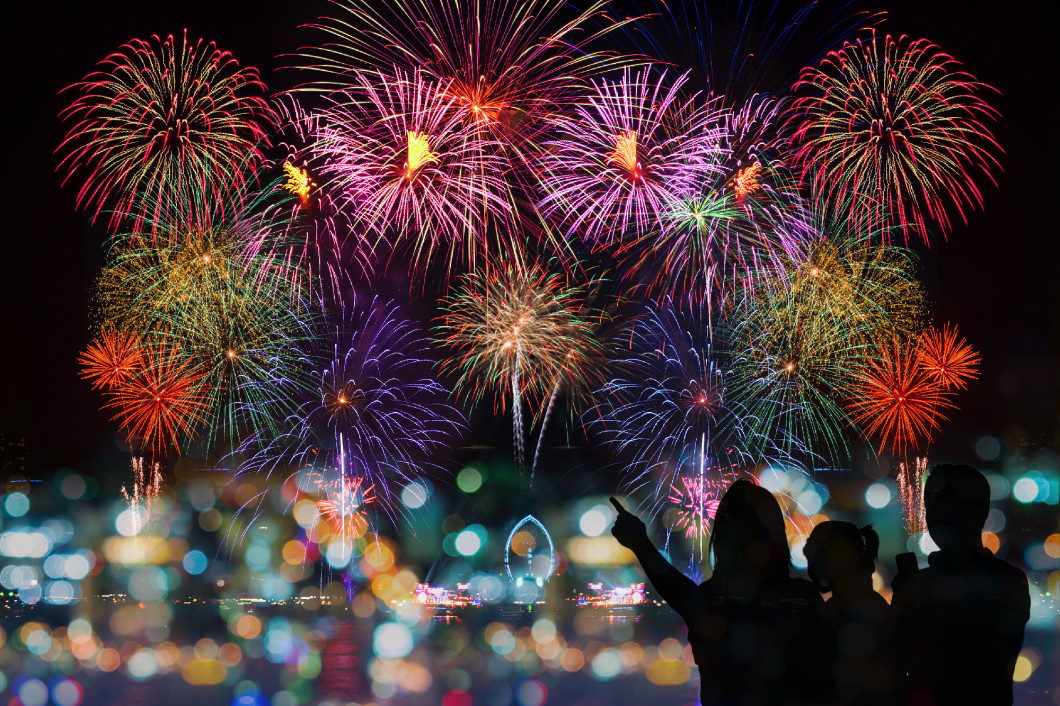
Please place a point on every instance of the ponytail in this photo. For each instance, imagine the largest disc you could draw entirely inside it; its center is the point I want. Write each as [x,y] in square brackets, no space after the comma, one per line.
[870,546]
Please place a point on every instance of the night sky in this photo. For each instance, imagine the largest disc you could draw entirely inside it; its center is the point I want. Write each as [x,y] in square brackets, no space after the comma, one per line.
[993,277]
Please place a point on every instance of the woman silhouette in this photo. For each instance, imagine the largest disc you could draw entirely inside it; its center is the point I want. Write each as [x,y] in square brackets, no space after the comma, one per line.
[750,624]
[857,635]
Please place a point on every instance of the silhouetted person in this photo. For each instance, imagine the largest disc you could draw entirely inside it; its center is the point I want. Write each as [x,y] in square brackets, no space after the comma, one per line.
[960,622]
[750,624]
[857,635]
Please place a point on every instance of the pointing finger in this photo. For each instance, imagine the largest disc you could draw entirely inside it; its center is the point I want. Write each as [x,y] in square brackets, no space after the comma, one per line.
[617,505]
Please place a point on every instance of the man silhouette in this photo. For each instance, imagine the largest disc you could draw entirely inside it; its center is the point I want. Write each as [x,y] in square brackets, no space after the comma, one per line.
[960,622]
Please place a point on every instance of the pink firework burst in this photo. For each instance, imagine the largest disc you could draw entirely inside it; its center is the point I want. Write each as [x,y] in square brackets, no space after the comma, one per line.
[626,155]
[406,170]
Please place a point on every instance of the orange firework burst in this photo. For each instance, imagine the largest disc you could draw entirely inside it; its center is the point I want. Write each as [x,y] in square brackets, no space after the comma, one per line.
[111,359]
[746,180]
[344,506]
[298,181]
[163,399]
[896,400]
[947,359]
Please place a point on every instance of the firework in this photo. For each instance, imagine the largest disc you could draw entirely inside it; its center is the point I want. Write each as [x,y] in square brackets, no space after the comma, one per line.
[633,148]
[911,495]
[696,499]
[666,407]
[298,181]
[166,129]
[948,359]
[805,332]
[163,401]
[514,333]
[112,358]
[226,311]
[353,399]
[709,245]
[895,400]
[405,169]
[145,493]
[343,506]
[317,243]
[897,125]
[508,65]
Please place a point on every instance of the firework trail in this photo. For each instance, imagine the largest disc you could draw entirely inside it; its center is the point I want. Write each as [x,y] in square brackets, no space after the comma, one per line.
[353,399]
[145,492]
[911,495]
[166,129]
[514,332]
[896,124]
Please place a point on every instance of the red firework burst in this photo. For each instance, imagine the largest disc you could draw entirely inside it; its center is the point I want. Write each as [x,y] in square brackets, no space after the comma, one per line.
[111,359]
[697,501]
[896,400]
[344,506]
[946,358]
[163,399]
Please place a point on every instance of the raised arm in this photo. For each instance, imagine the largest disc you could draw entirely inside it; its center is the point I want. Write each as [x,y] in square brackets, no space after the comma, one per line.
[676,589]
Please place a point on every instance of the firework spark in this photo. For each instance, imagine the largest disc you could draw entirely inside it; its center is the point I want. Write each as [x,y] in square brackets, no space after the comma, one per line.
[895,124]
[298,181]
[804,335]
[343,506]
[162,402]
[666,407]
[509,65]
[166,129]
[200,292]
[515,332]
[696,500]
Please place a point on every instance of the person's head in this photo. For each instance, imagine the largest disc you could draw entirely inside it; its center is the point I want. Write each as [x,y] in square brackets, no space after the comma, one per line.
[837,551]
[749,536]
[956,503]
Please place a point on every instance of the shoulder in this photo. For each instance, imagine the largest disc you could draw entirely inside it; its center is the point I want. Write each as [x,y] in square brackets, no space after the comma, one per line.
[801,590]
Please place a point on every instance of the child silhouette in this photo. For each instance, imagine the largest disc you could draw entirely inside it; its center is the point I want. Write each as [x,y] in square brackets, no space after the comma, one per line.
[856,644]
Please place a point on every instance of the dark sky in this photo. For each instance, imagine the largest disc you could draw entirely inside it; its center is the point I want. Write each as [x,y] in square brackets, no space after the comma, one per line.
[993,277]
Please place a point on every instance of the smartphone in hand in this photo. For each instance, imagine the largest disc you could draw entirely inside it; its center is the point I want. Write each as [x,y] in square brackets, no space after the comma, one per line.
[906,563]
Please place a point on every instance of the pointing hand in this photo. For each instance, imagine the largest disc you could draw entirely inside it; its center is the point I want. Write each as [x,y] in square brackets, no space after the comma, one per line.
[629,530]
